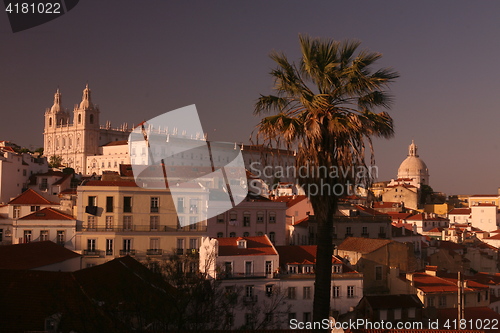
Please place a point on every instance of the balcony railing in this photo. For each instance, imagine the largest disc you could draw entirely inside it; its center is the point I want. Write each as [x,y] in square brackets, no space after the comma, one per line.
[154,252]
[250,299]
[127,252]
[143,228]
[92,253]
[179,252]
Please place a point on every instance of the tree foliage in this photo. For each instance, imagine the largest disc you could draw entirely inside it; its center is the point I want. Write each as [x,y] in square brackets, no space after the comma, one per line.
[326,107]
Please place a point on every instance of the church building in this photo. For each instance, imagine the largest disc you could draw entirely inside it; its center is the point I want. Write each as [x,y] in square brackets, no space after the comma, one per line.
[80,138]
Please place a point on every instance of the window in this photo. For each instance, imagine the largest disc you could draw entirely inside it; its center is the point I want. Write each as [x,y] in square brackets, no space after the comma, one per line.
[91,222]
[17,212]
[92,201]
[44,184]
[307,317]
[193,206]
[260,217]
[1,235]
[272,236]
[365,231]
[180,205]
[411,313]
[292,315]
[272,217]
[91,118]
[35,208]
[180,246]
[127,223]
[192,222]
[246,219]
[193,243]
[248,319]
[442,301]
[269,267]
[337,269]
[269,290]
[154,244]
[348,231]
[79,118]
[154,204]
[109,222]
[109,247]
[383,314]
[249,290]
[91,245]
[61,237]
[350,291]
[246,234]
[127,204]
[430,301]
[378,273]
[232,234]
[307,293]
[27,236]
[44,235]
[220,235]
[220,218]
[153,222]
[127,244]
[268,317]
[248,267]
[109,204]
[335,291]
[292,292]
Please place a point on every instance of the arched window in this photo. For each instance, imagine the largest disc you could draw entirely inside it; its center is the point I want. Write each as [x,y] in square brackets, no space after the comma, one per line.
[91,118]
[246,234]
[79,118]
[220,235]
[50,122]
[233,234]
[64,142]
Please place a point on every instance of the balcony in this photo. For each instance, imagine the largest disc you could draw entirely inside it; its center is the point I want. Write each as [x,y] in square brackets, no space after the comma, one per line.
[92,253]
[250,299]
[382,235]
[127,252]
[179,252]
[143,228]
[154,252]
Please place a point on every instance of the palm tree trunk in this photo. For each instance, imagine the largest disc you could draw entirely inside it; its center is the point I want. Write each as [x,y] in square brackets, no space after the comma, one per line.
[322,287]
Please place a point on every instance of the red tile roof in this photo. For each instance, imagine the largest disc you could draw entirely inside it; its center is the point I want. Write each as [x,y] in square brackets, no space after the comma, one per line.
[370,211]
[290,200]
[258,245]
[33,255]
[399,216]
[48,214]
[30,197]
[386,204]
[422,217]
[434,284]
[460,211]
[362,245]
[304,223]
[450,245]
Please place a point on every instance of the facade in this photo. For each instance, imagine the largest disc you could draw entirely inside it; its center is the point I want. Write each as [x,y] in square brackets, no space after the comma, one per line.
[254,216]
[75,140]
[117,218]
[374,258]
[277,278]
[413,167]
[425,222]
[460,215]
[15,170]
[485,216]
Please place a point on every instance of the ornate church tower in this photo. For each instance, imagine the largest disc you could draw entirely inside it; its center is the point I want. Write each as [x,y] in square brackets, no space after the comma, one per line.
[413,167]
[55,119]
[86,130]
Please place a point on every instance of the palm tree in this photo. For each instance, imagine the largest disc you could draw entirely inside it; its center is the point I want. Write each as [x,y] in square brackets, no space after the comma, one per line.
[324,107]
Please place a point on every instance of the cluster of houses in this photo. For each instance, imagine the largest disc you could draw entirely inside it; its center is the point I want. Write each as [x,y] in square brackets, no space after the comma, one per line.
[395,259]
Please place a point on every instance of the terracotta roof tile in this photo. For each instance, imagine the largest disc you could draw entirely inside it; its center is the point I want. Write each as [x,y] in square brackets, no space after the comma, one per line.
[362,245]
[33,255]
[258,245]
[290,200]
[48,214]
[30,197]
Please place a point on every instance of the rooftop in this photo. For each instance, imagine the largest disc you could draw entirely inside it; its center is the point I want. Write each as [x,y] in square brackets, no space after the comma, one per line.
[362,245]
[255,246]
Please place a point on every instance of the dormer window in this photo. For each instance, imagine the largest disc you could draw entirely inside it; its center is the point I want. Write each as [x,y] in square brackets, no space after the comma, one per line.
[242,244]
[336,268]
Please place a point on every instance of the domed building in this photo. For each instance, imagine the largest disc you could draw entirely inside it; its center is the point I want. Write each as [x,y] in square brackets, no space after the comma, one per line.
[413,168]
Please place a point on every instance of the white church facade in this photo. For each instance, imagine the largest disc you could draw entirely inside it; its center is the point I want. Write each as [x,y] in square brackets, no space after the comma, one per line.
[77,139]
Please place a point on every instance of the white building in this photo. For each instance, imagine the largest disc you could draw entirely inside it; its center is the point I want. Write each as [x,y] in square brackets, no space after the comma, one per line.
[485,216]
[283,276]
[15,170]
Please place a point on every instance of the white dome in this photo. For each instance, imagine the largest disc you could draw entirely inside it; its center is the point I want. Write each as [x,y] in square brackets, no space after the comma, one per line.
[56,107]
[413,167]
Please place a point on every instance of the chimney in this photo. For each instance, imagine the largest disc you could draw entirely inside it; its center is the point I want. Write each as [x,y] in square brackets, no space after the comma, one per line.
[431,270]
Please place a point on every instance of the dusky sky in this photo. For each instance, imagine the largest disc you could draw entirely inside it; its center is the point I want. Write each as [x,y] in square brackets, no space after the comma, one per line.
[144,58]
